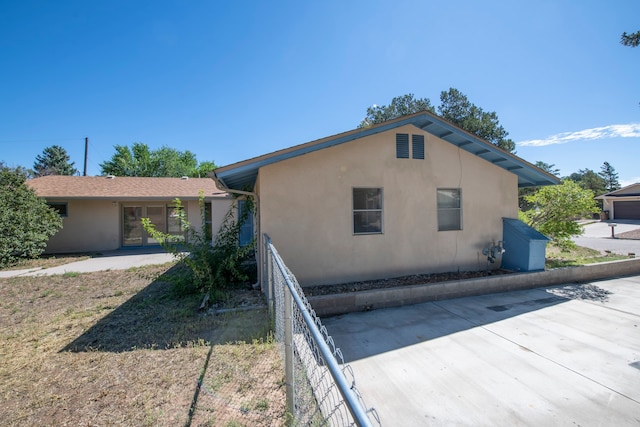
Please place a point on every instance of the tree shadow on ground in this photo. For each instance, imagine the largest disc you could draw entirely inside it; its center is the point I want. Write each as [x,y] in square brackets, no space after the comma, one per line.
[157,318]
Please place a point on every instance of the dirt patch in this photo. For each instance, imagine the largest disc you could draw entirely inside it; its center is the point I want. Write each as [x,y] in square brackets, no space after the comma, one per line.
[415,279]
[633,234]
[119,348]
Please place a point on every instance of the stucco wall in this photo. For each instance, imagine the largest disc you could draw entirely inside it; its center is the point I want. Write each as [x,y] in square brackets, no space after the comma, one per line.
[306,209]
[91,226]
[96,225]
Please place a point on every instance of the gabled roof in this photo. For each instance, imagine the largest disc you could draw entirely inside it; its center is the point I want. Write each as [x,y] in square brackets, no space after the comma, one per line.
[629,190]
[243,174]
[123,188]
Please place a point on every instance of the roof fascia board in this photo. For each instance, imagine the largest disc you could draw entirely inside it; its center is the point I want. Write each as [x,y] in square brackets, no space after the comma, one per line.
[423,121]
[287,153]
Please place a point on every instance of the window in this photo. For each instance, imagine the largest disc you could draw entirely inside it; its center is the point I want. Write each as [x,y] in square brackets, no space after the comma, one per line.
[367,210]
[174,223]
[402,145]
[208,230]
[417,146]
[449,209]
[60,207]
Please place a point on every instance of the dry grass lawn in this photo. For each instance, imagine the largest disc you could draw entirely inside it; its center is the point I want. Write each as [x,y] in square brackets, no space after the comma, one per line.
[119,348]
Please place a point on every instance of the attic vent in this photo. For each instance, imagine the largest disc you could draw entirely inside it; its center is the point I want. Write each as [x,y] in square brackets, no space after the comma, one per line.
[402,145]
[184,177]
[110,176]
[417,146]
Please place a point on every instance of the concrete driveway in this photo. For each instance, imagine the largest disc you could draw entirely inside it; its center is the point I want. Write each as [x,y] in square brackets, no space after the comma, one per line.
[566,355]
[121,259]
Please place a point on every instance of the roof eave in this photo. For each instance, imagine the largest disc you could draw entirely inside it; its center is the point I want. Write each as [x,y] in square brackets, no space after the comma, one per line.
[244,173]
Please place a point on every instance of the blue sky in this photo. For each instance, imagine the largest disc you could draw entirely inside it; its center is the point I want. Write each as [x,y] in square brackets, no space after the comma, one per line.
[233,80]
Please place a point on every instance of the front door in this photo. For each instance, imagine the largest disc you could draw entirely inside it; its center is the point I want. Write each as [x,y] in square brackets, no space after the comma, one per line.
[133,233]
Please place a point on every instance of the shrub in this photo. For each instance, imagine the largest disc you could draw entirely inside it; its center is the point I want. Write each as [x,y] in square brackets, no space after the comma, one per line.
[212,267]
[26,221]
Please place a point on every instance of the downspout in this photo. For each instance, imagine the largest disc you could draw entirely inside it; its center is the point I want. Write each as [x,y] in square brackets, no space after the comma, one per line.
[256,220]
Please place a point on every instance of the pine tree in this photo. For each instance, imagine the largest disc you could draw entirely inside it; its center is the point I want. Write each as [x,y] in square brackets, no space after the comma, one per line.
[54,160]
[610,176]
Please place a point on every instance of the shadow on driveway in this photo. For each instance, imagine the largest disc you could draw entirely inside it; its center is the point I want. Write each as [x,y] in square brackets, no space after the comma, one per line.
[385,330]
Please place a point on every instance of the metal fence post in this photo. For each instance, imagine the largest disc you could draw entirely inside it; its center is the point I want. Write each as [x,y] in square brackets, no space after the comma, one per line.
[288,350]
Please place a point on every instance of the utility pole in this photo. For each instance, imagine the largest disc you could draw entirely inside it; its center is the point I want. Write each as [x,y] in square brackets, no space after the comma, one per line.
[86,150]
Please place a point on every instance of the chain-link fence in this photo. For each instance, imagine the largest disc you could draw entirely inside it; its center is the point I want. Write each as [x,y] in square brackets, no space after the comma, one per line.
[321,389]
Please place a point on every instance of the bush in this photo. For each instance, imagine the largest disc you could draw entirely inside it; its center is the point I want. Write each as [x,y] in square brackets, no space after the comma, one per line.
[26,221]
[212,268]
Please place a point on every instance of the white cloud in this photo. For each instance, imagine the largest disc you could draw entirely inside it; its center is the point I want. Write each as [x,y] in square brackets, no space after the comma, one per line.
[629,181]
[631,130]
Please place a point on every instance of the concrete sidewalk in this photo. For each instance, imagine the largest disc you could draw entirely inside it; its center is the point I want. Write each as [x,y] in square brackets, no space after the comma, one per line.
[565,355]
[121,259]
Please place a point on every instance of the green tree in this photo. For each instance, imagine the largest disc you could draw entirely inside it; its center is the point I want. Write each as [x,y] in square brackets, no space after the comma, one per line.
[204,168]
[54,160]
[456,108]
[171,162]
[589,180]
[26,221]
[134,161]
[400,106]
[632,40]
[139,160]
[610,177]
[556,208]
[550,168]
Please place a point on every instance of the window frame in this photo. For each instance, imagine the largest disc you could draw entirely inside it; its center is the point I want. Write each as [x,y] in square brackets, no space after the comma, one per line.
[445,209]
[355,211]
[56,207]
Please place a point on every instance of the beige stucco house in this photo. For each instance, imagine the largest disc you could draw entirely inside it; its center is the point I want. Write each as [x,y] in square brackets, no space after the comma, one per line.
[623,203]
[103,212]
[412,195]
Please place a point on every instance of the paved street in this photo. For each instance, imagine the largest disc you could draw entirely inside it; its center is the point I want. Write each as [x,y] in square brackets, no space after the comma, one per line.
[597,235]
[566,355]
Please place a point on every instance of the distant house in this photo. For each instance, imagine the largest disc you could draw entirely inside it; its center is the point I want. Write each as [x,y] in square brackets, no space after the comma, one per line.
[103,212]
[412,195]
[623,203]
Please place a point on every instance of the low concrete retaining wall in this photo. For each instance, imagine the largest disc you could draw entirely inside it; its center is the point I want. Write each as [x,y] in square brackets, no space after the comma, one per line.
[331,305]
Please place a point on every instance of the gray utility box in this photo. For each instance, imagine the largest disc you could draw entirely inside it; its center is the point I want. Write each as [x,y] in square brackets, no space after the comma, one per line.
[525,247]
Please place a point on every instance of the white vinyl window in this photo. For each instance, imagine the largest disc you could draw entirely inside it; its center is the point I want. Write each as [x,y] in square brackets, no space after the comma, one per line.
[449,209]
[367,210]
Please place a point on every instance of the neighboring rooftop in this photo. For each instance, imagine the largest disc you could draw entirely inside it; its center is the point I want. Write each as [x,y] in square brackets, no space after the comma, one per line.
[110,187]
[243,174]
[629,190]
